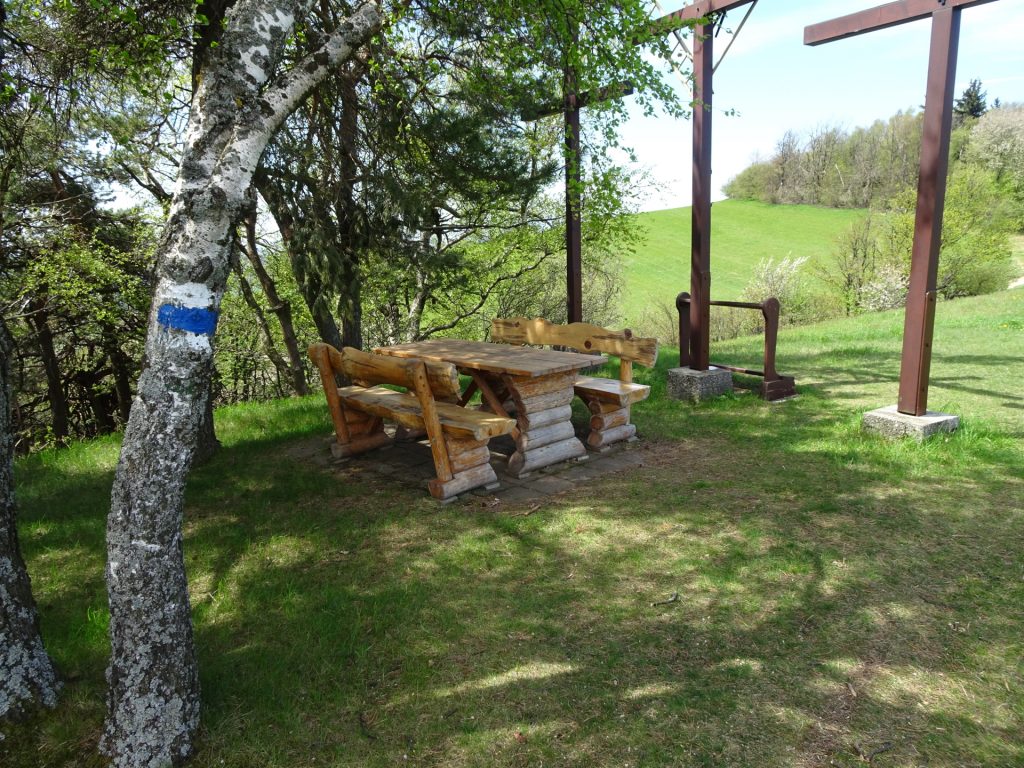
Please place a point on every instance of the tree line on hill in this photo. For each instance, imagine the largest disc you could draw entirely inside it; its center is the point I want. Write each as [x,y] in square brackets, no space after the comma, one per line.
[352,173]
[876,168]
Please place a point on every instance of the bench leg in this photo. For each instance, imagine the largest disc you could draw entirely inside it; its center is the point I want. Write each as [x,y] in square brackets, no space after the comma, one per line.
[366,432]
[471,468]
[609,424]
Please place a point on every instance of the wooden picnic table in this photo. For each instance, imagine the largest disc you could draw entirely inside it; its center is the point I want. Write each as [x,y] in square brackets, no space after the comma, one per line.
[536,383]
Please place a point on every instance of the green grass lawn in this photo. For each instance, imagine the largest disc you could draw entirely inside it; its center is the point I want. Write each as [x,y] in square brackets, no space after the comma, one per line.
[842,600]
[743,233]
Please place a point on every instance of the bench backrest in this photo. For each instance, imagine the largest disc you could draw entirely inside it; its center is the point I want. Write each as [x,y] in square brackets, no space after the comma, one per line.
[582,336]
[366,368]
[428,382]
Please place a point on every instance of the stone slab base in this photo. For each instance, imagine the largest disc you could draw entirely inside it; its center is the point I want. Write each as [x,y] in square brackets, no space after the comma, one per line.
[890,423]
[688,384]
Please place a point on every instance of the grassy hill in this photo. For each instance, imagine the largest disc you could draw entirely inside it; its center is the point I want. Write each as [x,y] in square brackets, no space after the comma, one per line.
[836,595]
[743,233]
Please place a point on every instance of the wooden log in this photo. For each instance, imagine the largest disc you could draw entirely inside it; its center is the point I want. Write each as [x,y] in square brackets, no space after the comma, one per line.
[610,390]
[320,355]
[609,436]
[482,474]
[582,336]
[405,434]
[406,410]
[372,368]
[354,417]
[609,420]
[543,402]
[542,385]
[431,421]
[598,407]
[466,460]
[491,401]
[462,444]
[541,436]
[528,421]
[359,445]
[626,370]
[466,453]
[521,462]
[359,429]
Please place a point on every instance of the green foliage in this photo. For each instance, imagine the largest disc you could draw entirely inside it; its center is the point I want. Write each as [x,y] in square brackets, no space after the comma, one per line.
[975,255]
[871,265]
[997,143]
[971,105]
[831,166]
[755,182]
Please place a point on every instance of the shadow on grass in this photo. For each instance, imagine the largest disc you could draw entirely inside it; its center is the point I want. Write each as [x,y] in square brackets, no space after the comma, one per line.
[840,600]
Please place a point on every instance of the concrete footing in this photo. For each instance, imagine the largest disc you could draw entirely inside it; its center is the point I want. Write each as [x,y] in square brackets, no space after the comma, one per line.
[890,423]
[693,385]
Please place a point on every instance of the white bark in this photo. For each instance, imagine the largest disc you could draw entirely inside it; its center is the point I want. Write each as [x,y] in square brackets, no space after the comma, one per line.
[153,696]
[27,676]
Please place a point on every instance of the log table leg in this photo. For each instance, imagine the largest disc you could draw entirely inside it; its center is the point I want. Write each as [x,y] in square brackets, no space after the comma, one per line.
[545,434]
[609,424]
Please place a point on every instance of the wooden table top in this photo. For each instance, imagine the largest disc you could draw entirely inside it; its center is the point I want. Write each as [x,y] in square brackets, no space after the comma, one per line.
[494,358]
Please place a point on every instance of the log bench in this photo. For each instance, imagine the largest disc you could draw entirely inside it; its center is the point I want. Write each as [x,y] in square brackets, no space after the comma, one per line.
[458,436]
[609,400]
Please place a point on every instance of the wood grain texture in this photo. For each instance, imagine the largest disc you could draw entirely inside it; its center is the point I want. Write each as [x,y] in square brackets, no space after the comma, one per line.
[611,390]
[493,358]
[520,463]
[529,421]
[482,474]
[404,409]
[605,437]
[603,421]
[360,444]
[541,436]
[542,402]
[581,336]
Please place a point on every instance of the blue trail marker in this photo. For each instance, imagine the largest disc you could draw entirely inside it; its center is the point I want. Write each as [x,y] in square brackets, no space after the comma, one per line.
[197,320]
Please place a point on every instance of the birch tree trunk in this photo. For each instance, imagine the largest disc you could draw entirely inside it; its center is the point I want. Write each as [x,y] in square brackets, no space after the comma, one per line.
[153,693]
[27,676]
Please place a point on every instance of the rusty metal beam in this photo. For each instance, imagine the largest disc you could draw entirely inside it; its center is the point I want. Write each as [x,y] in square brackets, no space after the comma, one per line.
[700,9]
[931,199]
[880,17]
[573,203]
[700,235]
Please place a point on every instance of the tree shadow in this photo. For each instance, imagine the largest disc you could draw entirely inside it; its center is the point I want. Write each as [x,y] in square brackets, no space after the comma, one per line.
[831,610]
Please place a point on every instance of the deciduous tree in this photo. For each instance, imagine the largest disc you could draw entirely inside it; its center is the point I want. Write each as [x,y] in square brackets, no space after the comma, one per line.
[27,675]
[242,98]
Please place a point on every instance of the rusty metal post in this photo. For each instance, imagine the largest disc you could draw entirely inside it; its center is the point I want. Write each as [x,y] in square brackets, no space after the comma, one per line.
[700,240]
[683,308]
[573,186]
[573,226]
[770,309]
[931,199]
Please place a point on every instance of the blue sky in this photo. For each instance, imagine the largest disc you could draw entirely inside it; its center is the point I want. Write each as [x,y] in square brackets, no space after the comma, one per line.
[776,83]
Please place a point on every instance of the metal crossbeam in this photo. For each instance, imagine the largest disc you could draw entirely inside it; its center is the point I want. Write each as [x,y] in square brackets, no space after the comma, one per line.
[700,9]
[880,17]
[919,318]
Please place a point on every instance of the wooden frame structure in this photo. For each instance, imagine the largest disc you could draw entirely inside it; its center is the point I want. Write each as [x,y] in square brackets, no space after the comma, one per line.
[458,436]
[608,400]
[919,320]
[700,235]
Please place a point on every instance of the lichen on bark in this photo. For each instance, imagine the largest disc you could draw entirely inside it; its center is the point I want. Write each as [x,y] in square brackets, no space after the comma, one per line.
[27,675]
[153,682]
